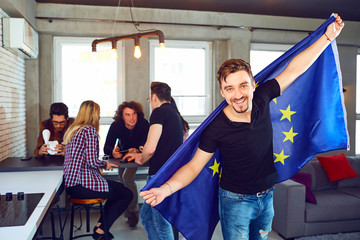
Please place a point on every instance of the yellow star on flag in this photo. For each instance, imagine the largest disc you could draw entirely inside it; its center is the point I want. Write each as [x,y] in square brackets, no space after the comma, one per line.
[290,135]
[256,84]
[215,167]
[280,157]
[287,113]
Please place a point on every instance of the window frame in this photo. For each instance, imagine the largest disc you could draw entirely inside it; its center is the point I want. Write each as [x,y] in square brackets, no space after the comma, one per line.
[275,47]
[57,80]
[270,47]
[194,120]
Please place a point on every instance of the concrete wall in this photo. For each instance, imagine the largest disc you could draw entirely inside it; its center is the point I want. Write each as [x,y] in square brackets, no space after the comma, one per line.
[20,9]
[223,29]
[12,101]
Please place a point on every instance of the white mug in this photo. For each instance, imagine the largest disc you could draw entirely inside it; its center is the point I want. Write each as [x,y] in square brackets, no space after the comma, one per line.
[52,145]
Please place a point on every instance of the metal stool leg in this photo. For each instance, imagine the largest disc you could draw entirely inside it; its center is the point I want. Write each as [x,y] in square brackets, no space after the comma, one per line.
[87,208]
[61,228]
[88,204]
[52,226]
[72,222]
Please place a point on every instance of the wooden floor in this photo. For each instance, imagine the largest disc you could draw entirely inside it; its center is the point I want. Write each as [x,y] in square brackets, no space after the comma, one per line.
[120,229]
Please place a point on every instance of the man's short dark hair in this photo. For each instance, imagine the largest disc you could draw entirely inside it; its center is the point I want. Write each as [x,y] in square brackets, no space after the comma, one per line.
[162,91]
[59,109]
[231,66]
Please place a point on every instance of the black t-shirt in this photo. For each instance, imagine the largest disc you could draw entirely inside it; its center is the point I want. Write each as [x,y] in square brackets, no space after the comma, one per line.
[171,137]
[247,148]
[128,138]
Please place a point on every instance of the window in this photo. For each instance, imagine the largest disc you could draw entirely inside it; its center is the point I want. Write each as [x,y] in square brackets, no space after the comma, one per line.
[261,55]
[81,75]
[186,67]
[357,127]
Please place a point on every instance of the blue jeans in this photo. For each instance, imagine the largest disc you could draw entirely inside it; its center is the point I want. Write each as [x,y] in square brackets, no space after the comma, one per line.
[156,226]
[245,217]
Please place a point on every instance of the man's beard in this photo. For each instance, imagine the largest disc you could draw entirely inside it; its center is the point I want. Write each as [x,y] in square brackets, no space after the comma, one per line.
[240,111]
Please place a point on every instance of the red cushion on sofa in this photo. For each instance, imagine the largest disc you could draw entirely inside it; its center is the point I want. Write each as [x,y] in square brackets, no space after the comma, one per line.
[337,167]
[305,179]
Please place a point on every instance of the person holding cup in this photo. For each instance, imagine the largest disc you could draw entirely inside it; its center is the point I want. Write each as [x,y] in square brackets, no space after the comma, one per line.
[57,125]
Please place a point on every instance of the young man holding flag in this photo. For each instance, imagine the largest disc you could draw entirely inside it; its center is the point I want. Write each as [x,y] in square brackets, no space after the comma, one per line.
[243,133]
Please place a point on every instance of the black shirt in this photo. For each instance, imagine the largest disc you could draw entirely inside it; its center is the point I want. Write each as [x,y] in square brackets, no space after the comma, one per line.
[128,138]
[247,148]
[171,137]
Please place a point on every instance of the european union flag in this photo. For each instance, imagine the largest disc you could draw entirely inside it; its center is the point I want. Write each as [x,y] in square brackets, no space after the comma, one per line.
[308,118]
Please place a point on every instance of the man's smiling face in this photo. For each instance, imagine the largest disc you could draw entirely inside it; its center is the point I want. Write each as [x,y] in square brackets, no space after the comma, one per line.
[238,91]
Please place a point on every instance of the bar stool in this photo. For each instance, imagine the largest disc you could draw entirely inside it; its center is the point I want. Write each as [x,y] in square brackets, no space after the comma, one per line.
[87,204]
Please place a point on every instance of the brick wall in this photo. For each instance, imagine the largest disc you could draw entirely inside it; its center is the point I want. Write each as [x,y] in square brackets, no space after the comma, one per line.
[12,101]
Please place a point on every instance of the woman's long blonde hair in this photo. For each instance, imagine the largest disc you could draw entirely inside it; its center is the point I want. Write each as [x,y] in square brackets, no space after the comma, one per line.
[88,115]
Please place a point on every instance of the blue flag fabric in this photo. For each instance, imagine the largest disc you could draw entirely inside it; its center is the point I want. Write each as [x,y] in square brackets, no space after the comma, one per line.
[308,118]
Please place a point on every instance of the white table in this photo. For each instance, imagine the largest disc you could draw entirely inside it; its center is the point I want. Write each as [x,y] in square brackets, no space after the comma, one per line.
[47,182]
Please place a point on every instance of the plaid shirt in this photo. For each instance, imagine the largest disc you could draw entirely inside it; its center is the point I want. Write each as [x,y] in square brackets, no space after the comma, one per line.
[81,164]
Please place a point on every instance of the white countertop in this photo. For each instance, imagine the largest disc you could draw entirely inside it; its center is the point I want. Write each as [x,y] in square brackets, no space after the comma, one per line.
[47,182]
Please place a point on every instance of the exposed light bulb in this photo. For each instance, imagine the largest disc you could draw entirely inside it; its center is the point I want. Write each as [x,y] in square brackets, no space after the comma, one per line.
[114,54]
[94,56]
[162,48]
[137,52]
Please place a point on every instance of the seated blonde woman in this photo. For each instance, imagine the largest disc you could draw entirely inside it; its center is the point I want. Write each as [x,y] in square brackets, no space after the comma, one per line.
[81,169]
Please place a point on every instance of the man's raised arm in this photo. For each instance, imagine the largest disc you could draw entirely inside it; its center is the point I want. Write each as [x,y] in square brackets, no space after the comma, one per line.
[300,63]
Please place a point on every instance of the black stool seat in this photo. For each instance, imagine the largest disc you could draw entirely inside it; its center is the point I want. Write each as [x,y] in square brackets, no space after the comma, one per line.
[87,204]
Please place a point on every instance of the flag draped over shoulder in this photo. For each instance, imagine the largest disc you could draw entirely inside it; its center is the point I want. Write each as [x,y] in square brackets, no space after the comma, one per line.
[308,118]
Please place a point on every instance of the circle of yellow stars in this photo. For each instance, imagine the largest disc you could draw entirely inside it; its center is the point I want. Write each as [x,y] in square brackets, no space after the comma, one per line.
[289,136]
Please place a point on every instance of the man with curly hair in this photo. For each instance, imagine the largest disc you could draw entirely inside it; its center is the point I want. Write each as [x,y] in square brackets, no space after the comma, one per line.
[130,128]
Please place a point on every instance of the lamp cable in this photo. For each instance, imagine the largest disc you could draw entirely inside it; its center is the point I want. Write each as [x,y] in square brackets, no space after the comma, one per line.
[116,14]
[135,23]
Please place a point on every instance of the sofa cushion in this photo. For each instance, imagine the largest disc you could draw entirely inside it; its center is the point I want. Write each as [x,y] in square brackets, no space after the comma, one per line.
[351,191]
[352,182]
[318,176]
[337,167]
[305,179]
[332,205]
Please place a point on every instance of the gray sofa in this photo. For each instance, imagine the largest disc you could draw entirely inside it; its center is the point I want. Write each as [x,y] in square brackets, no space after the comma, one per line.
[337,209]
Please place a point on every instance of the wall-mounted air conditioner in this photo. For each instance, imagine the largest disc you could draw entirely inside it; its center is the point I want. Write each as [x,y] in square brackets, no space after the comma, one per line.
[18,34]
